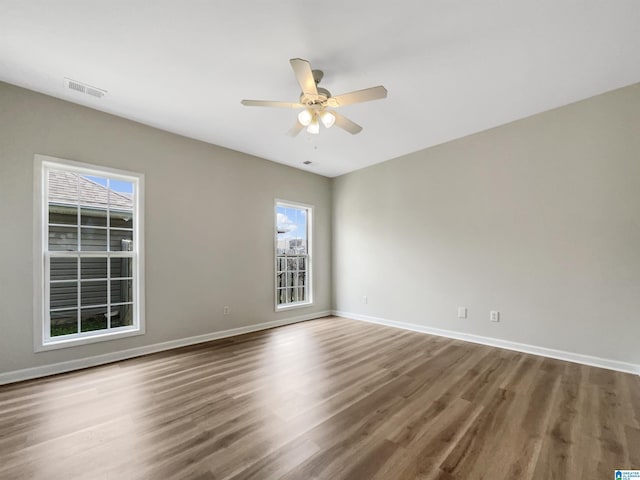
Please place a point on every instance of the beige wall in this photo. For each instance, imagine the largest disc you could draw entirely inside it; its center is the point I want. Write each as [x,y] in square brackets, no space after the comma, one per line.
[209,224]
[539,219]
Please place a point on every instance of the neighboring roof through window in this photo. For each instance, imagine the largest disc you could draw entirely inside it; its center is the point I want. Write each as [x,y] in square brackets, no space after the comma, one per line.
[63,185]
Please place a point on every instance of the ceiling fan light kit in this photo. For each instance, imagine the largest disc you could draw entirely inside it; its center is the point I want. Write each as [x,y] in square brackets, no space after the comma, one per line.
[309,118]
[314,101]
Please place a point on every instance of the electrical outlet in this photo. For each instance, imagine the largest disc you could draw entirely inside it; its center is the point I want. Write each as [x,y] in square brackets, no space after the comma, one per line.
[462,312]
[225,310]
[364,299]
[494,316]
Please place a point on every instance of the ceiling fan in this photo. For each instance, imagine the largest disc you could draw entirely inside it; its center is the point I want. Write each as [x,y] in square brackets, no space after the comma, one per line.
[316,101]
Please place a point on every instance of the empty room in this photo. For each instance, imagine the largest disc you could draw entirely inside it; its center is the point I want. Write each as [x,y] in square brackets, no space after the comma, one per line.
[299,240]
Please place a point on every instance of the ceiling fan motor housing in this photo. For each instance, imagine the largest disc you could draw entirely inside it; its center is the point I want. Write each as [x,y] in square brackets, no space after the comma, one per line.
[319,100]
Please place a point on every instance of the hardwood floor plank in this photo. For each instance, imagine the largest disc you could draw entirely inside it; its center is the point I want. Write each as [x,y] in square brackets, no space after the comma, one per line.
[367,462]
[425,451]
[519,458]
[632,436]
[470,451]
[426,404]
[632,387]
[279,462]
[559,441]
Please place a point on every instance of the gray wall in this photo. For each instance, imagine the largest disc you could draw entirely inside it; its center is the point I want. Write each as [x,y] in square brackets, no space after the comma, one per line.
[209,224]
[539,219]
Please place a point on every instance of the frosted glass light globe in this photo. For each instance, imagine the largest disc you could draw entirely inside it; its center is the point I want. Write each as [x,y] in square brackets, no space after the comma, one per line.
[305,117]
[314,126]
[328,118]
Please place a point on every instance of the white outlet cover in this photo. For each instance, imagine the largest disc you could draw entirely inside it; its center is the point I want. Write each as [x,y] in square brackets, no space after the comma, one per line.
[462,312]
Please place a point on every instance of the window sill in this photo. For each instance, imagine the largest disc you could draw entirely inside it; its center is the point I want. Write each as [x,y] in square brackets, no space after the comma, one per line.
[293,306]
[84,340]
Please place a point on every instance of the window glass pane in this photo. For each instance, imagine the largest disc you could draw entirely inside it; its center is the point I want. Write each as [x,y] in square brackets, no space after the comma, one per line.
[121,219]
[121,240]
[301,295]
[63,268]
[291,226]
[93,293]
[63,187]
[121,267]
[121,291]
[297,245]
[93,267]
[96,217]
[93,191]
[93,239]
[301,263]
[64,214]
[121,193]
[93,319]
[64,323]
[63,295]
[63,239]
[122,315]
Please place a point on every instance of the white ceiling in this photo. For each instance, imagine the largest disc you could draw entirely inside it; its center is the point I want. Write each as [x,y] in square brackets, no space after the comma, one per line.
[451,67]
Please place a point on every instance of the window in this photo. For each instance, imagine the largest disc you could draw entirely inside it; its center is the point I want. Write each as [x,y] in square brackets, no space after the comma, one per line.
[89,250]
[293,255]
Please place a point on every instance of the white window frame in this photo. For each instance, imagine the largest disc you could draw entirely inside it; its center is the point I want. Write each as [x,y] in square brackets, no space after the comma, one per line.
[309,256]
[42,339]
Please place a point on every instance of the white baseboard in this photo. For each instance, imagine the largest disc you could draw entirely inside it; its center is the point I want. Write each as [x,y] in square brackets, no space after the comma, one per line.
[496,342]
[62,367]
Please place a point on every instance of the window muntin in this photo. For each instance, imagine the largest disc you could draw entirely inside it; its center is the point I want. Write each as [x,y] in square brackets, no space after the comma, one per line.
[293,255]
[91,251]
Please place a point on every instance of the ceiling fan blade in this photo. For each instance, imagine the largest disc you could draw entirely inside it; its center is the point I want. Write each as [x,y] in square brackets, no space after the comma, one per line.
[304,75]
[296,129]
[359,96]
[268,103]
[346,124]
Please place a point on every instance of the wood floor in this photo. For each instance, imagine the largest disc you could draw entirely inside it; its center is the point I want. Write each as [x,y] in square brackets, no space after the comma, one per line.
[325,399]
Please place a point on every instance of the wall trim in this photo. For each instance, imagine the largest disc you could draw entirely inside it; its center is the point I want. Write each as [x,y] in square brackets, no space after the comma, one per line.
[496,342]
[80,363]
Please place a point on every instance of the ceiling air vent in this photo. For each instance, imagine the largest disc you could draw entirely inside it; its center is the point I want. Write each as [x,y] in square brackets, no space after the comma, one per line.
[84,88]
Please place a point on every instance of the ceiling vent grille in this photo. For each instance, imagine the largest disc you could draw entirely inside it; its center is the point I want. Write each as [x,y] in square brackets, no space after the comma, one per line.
[84,88]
